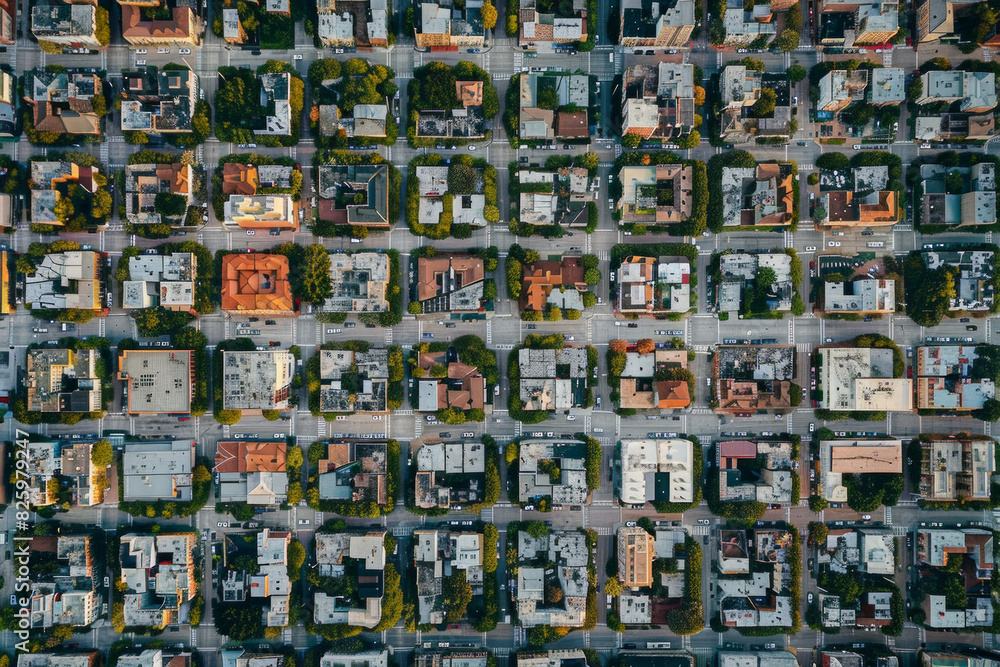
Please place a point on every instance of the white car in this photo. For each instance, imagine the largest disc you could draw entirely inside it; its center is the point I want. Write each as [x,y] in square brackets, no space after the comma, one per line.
[297,56]
[250,232]
[141,52]
[472,148]
[836,243]
[831,244]
[184,52]
[140,63]
[810,248]
[570,418]
[163,49]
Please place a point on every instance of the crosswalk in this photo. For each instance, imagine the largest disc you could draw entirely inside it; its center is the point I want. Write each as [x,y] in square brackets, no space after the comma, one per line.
[194,638]
[320,428]
[699,530]
[888,516]
[388,335]
[603,255]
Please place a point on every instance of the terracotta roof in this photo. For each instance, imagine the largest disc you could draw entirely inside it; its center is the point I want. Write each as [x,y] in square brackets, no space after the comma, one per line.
[539,279]
[673,394]
[239,179]
[338,454]
[572,124]
[179,27]
[467,270]
[250,456]
[255,282]
[469,93]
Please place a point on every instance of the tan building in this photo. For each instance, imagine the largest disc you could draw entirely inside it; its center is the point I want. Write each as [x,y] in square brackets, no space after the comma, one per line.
[8,17]
[861,379]
[63,380]
[69,25]
[848,457]
[158,381]
[256,284]
[640,200]
[635,557]
[257,380]
[442,25]
[957,468]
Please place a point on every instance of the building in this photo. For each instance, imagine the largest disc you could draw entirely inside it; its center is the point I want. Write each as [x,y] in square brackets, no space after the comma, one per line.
[262,212]
[158,381]
[945,380]
[568,550]
[274,96]
[760,471]
[537,124]
[355,472]
[63,380]
[654,285]
[861,550]
[357,23]
[754,378]
[271,583]
[635,557]
[975,90]
[565,204]
[143,182]
[433,186]
[960,126]
[50,182]
[363,659]
[553,284]
[71,26]
[364,554]
[744,25]
[438,554]
[256,284]
[58,659]
[537,28]
[354,381]
[155,471]
[556,468]
[8,116]
[359,282]
[449,475]
[183,28]
[861,297]
[8,17]
[553,379]
[861,379]
[42,467]
[850,23]
[974,283]
[257,380]
[61,101]
[645,189]
[957,468]
[869,204]
[65,594]
[449,283]
[839,88]
[463,122]
[888,86]
[639,389]
[860,457]
[552,658]
[251,472]
[739,273]
[759,196]
[462,387]
[158,101]
[459,658]
[758,659]
[935,547]
[167,281]
[657,23]
[156,657]
[355,195]
[70,460]
[443,25]
[157,572]
[756,595]
[240,657]
[658,103]
[657,471]
[975,205]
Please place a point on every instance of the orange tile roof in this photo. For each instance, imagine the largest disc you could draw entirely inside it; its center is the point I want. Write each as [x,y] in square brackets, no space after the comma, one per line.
[673,394]
[469,93]
[239,179]
[250,456]
[256,283]
[180,26]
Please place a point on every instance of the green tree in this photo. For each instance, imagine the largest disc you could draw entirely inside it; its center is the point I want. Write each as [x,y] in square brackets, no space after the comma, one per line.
[296,557]
[101,454]
[293,457]
[764,106]
[631,140]
[489,15]
[456,595]
[788,40]
[796,73]
[316,285]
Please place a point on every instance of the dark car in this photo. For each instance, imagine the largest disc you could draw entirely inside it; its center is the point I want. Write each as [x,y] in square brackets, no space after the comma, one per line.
[972,327]
[633,325]
[964,320]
